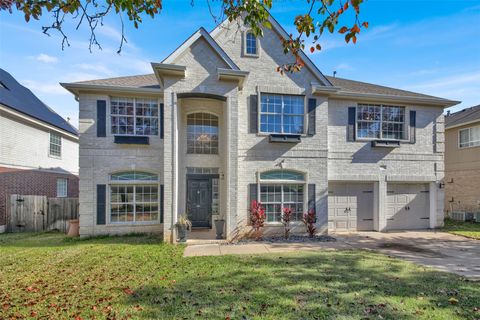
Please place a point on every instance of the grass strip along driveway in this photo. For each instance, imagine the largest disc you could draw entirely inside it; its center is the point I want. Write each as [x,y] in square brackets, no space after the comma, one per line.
[467,229]
[137,277]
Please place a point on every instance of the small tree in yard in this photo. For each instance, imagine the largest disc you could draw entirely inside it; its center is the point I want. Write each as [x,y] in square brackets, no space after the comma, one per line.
[286,218]
[309,220]
[257,217]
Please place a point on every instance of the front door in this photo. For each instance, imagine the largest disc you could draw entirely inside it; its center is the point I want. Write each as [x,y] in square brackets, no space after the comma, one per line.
[199,202]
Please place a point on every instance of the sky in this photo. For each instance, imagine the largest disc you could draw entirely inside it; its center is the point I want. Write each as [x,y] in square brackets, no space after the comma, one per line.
[429,46]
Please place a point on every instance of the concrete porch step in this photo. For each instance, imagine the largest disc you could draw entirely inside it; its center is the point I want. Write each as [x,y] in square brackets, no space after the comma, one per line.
[192,242]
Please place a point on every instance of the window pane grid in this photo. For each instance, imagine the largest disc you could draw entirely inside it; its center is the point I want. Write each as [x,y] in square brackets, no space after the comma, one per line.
[275,197]
[469,137]
[202,133]
[62,187]
[282,114]
[55,145]
[251,43]
[134,203]
[381,122]
[134,116]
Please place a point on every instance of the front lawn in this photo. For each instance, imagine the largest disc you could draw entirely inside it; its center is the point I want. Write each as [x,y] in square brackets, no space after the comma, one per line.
[466,229]
[50,277]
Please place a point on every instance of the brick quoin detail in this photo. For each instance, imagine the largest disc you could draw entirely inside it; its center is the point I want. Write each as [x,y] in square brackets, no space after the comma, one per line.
[31,182]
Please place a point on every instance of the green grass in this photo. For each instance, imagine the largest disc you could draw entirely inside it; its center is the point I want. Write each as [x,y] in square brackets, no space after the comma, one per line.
[466,229]
[137,277]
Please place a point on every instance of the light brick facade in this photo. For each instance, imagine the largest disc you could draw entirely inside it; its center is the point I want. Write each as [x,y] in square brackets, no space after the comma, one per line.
[322,157]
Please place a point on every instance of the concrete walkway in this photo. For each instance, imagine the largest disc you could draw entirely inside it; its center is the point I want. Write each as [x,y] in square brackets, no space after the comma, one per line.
[439,250]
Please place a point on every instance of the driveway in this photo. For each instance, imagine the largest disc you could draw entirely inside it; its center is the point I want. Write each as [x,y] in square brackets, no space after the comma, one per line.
[439,250]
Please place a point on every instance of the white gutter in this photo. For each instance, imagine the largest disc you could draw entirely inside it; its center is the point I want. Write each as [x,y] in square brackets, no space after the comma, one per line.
[394,98]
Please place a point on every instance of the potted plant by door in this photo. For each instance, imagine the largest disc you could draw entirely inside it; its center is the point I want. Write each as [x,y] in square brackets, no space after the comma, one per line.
[219,225]
[183,225]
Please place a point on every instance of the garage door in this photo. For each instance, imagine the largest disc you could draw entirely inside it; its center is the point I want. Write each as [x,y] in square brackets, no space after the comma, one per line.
[350,206]
[407,206]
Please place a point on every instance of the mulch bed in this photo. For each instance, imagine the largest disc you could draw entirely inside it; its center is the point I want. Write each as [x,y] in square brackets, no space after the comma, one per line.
[291,239]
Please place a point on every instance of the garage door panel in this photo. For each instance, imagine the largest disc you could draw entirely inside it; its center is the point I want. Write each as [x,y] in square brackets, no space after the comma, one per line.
[407,206]
[351,206]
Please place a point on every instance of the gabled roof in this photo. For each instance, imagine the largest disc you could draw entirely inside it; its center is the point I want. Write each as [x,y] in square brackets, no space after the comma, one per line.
[21,99]
[187,43]
[281,31]
[463,117]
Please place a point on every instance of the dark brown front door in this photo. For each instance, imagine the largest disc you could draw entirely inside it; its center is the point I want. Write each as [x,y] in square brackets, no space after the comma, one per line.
[199,202]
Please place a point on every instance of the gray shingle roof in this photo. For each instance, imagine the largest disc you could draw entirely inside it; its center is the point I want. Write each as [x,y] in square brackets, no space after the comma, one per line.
[466,115]
[141,81]
[21,99]
[363,87]
[150,81]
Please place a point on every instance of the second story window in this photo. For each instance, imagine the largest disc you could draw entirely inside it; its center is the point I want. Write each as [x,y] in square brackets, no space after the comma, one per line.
[251,47]
[202,133]
[134,116]
[469,137]
[381,122]
[282,114]
[55,145]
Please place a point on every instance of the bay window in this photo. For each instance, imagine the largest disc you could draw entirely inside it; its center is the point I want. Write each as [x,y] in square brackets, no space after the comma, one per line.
[281,189]
[134,197]
[134,116]
[284,114]
[384,122]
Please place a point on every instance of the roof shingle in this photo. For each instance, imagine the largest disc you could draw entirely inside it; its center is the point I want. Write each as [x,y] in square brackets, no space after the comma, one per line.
[466,115]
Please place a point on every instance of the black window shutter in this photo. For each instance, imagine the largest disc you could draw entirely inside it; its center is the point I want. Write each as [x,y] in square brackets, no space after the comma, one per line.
[161,203]
[101,207]
[312,105]
[101,118]
[311,198]
[254,113]
[413,124]
[252,195]
[351,124]
[161,120]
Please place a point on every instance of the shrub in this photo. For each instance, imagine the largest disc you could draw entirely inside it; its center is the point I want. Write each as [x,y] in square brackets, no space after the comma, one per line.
[286,218]
[257,217]
[309,220]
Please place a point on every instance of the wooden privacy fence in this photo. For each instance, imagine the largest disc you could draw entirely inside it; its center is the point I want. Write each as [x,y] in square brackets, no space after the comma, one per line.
[39,213]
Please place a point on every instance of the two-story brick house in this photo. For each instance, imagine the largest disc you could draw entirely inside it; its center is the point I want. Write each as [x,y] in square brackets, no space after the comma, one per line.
[216,126]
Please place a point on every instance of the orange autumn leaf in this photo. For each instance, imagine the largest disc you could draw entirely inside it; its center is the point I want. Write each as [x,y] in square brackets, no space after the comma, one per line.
[128,291]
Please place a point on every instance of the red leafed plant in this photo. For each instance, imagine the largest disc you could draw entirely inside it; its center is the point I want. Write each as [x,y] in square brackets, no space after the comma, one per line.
[286,218]
[257,217]
[309,220]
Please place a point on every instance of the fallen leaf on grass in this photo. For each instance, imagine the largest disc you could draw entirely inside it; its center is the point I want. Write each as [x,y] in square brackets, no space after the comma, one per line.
[128,291]
[453,301]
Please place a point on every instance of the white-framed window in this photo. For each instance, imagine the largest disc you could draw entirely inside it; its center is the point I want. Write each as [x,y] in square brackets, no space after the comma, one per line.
[385,122]
[469,137]
[251,44]
[62,188]
[281,113]
[55,148]
[134,116]
[279,189]
[134,197]
[202,133]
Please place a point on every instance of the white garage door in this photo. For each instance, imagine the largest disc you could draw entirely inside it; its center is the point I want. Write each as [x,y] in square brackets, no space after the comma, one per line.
[350,206]
[407,206]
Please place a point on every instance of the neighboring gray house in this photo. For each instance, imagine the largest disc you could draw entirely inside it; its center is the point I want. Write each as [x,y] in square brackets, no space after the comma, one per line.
[215,127]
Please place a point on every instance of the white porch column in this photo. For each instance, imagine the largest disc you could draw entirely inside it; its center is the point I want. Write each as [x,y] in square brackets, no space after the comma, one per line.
[433,205]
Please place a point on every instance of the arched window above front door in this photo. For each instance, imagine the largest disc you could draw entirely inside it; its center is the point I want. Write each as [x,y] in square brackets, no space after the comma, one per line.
[202,133]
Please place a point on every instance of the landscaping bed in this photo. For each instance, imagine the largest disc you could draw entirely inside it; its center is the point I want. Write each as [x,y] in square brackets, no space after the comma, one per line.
[467,229]
[291,239]
[47,276]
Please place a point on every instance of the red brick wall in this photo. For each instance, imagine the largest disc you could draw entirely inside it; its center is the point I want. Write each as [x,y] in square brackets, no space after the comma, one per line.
[31,182]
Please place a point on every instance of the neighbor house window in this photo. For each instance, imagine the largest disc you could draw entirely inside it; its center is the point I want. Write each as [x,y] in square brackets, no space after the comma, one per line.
[251,47]
[469,137]
[62,188]
[134,197]
[380,122]
[134,116]
[282,113]
[202,133]
[282,189]
[55,144]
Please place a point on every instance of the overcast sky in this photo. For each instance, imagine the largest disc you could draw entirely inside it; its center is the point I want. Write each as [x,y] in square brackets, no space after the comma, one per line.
[430,47]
